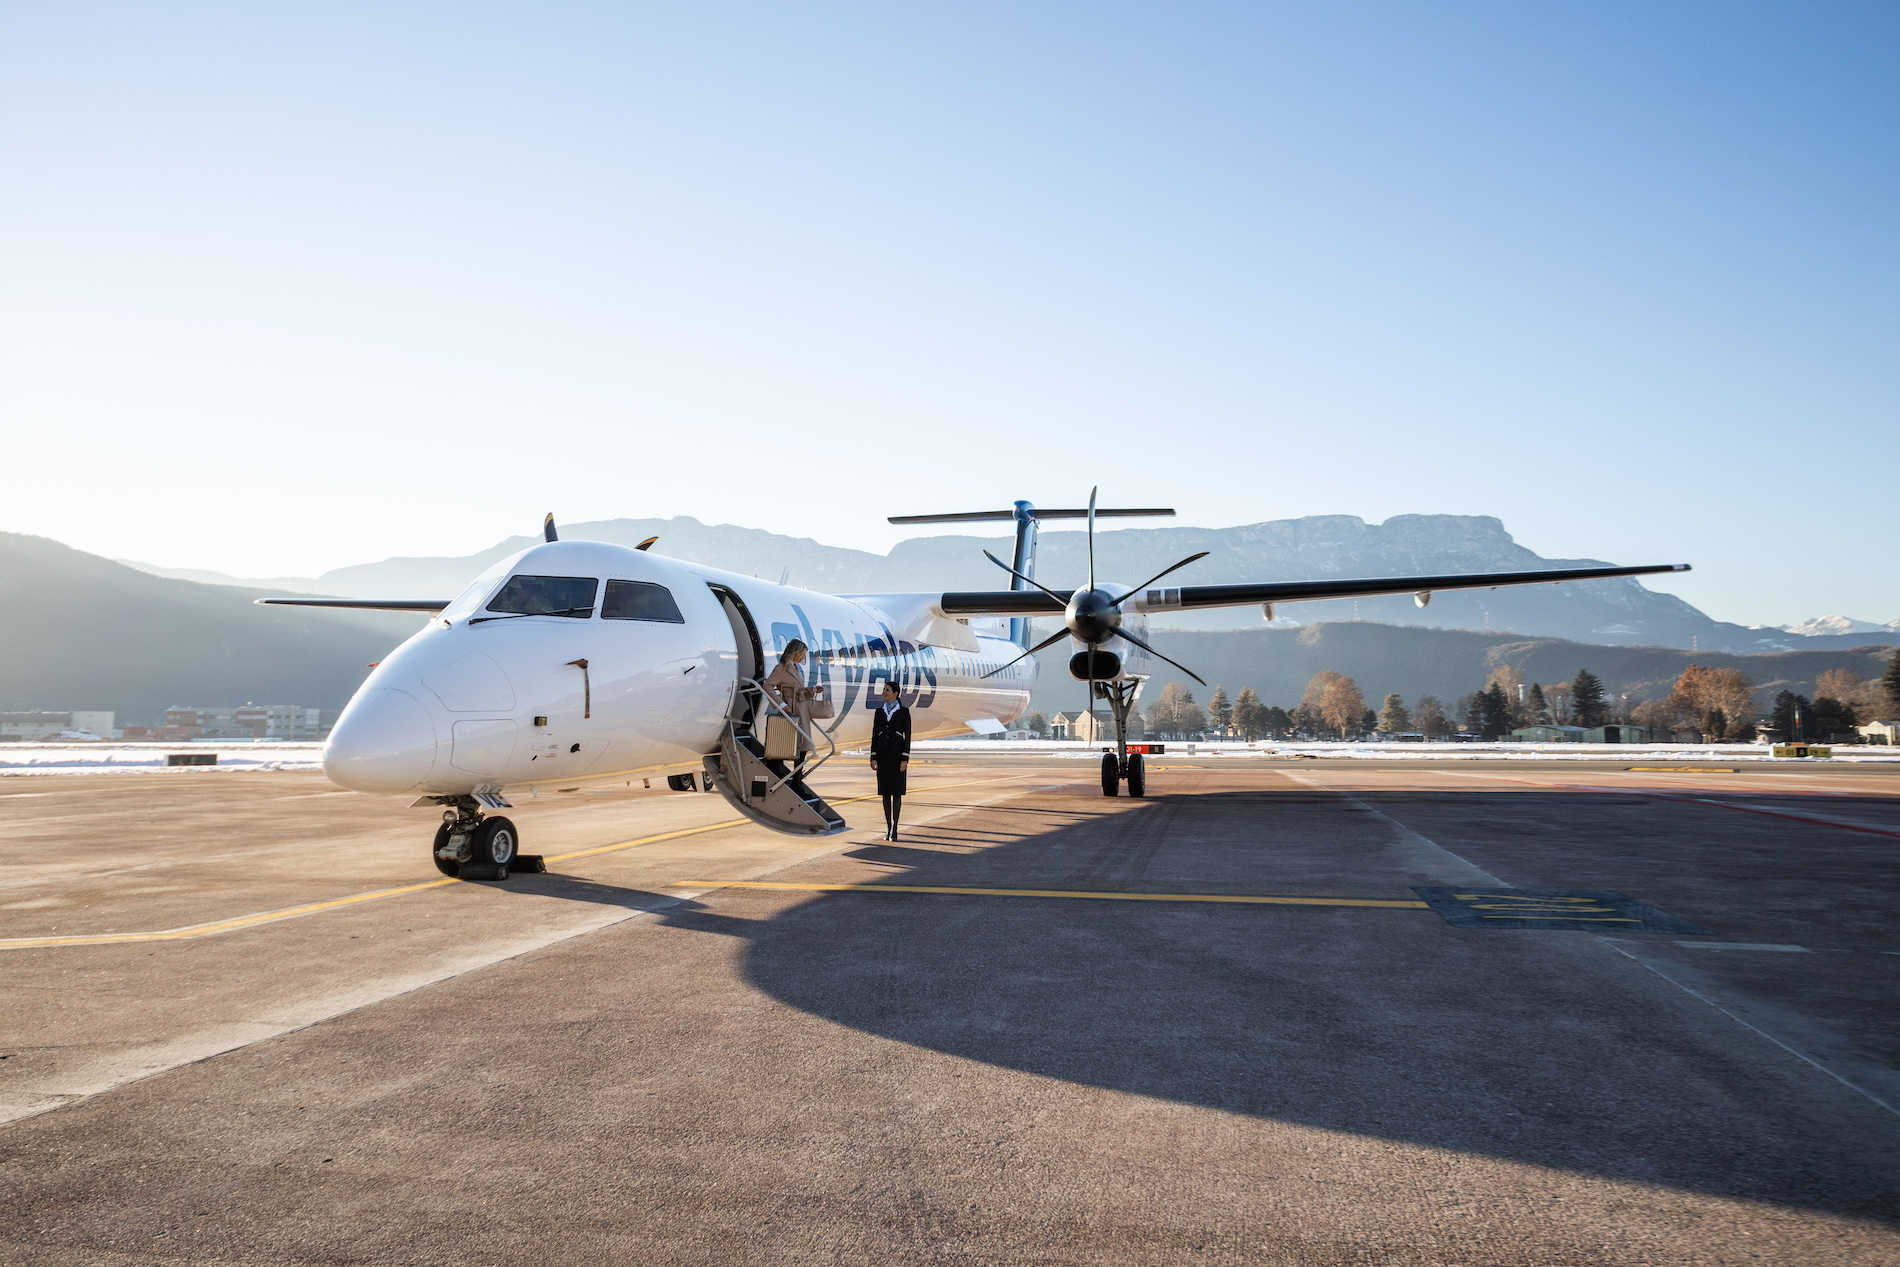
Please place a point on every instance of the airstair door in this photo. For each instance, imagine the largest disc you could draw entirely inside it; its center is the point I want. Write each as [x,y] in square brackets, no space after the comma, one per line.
[770,793]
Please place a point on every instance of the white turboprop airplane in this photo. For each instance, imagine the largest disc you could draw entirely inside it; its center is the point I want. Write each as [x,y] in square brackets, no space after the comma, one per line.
[578,662]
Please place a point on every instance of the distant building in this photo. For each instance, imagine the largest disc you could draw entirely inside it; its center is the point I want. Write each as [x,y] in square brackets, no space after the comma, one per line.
[1088,727]
[1551,734]
[1887,732]
[243,721]
[1630,734]
[18,727]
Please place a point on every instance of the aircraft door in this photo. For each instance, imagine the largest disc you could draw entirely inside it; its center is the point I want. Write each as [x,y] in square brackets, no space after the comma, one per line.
[745,637]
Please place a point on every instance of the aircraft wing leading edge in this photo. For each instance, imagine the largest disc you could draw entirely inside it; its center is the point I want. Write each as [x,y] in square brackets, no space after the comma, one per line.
[365,604]
[1192,597]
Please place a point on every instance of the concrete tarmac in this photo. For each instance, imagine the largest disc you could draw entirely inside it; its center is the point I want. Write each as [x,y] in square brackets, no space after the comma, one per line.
[606,1065]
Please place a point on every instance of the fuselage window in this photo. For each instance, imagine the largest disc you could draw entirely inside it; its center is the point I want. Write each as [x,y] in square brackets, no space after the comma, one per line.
[547,596]
[640,600]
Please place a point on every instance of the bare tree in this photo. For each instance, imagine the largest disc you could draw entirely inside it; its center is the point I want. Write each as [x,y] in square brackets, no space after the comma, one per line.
[1849,688]
[1429,716]
[1714,698]
[1343,707]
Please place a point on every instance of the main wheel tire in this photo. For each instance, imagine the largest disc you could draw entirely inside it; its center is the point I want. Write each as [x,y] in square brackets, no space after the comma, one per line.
[1111,775]
[447,866]
[680,782]
[496,841]
[1137,776]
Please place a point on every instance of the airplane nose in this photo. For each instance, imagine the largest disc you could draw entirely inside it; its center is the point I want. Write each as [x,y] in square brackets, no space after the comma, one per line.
[384,742]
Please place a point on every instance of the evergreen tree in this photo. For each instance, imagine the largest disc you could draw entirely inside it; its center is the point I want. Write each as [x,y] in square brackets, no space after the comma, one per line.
[1494,711]
[1586,697]
[1220,713]
[1250,717]
[1368,722]
[1715,726]
[1279,722]
[1395,718]
[1791,721]
[1471,712]
[1890,688]
[1538,706]
[1038,724]
[1831,717]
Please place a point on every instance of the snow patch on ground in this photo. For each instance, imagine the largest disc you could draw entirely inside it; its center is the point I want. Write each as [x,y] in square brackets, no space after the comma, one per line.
[140,758]
[1662,754]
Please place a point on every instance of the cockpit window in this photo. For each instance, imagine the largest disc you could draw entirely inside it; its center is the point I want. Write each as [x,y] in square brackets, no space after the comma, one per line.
[469,601]
[547,596]
[640,600]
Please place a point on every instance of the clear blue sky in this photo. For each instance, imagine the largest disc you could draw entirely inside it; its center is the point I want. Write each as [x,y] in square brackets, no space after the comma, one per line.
[289,287]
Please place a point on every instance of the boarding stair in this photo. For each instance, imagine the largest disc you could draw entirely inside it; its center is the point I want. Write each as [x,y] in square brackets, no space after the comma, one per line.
[771,793]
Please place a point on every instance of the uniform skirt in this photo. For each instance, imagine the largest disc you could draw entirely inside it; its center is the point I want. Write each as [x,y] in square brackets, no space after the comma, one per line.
[890,774]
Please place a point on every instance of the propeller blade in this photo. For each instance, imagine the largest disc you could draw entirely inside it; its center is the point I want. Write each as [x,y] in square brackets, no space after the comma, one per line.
[1045,643]
[547,528]
[1092,493]
[1158,575]
[1123,633]
[1030,579]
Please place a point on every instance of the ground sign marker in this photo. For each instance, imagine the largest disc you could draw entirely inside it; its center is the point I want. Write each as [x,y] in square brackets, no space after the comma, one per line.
[1586,910]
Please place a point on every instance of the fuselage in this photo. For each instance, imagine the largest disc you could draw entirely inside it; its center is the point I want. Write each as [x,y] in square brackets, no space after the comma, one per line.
[485,700]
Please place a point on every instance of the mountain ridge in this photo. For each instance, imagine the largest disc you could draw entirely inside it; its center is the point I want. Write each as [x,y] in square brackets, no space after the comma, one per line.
[1613,613]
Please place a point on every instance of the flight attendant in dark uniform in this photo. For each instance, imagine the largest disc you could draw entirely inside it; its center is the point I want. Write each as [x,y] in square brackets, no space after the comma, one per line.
[890,754]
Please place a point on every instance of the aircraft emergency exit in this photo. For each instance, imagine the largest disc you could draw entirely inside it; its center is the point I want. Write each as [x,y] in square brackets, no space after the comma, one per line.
[579,662]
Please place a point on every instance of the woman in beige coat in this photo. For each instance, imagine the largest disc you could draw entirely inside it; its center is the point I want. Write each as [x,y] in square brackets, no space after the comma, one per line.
[787,686]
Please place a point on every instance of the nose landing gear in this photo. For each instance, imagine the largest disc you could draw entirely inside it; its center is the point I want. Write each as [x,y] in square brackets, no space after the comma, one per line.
[470,847]
[1121,766]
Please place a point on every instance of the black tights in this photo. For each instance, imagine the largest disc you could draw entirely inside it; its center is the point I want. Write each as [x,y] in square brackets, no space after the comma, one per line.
[893,806]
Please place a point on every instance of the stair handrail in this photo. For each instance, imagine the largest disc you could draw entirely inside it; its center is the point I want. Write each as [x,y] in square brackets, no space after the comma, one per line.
[750,685]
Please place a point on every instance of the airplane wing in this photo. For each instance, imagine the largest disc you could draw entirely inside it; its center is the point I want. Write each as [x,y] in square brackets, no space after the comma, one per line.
[1193,597]
[365,604]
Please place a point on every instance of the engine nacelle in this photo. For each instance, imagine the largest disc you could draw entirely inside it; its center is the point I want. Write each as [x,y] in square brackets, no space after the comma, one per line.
[1107,665]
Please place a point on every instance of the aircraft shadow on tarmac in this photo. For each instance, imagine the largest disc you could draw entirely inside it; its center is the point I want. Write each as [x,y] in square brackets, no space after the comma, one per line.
[1547,1049]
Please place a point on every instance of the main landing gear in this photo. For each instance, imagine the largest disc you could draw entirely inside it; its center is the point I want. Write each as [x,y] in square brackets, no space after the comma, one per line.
[1121,766]
[470,847]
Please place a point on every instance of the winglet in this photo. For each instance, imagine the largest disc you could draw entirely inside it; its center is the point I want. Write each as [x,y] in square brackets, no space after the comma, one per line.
[547,528]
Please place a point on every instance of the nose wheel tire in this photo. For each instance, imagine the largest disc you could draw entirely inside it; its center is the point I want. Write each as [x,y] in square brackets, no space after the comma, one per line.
[1137,776]
[495,843]
[492,846]
[447,866]
[1111,775]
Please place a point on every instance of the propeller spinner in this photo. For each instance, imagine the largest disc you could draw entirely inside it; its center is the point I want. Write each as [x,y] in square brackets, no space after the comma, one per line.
[1093,616]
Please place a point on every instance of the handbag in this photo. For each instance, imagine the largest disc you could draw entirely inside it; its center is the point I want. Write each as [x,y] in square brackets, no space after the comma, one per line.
[781,739]
[819,707]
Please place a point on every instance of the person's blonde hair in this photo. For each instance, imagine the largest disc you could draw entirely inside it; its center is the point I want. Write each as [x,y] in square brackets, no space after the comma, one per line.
[792,648]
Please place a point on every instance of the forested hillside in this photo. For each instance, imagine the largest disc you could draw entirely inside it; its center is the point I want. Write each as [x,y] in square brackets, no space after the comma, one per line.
[1447,663]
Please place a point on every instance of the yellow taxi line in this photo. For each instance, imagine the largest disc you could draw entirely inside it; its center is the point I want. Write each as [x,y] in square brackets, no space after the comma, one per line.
[219,926]
[313,908]
[1108,895]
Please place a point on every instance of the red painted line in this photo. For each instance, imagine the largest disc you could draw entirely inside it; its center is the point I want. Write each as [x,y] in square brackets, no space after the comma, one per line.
[1799,818]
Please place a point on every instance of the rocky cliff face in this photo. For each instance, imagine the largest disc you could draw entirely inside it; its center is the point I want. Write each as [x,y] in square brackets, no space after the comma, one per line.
[1614,613]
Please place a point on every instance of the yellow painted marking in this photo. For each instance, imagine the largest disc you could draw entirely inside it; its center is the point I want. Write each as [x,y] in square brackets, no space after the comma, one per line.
[1681,769]
[220,926]
[1566,915]
[1244,898]
[313,908]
